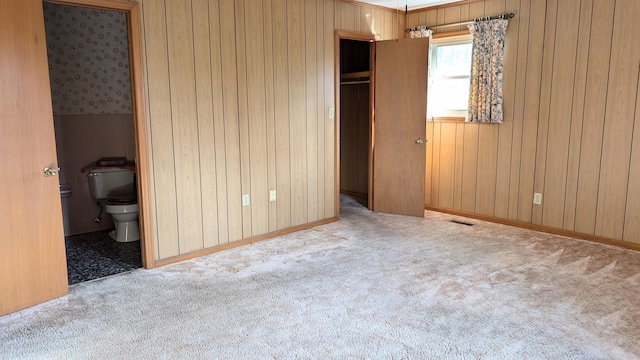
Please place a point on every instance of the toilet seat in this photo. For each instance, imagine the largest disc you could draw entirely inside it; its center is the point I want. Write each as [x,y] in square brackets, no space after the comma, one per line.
[121,200]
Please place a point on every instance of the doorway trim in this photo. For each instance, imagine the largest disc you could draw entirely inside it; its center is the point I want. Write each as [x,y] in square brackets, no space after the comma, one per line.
[365,37]
[134,26]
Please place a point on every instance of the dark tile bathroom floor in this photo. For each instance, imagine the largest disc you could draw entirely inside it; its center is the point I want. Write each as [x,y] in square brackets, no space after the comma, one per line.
[95,255]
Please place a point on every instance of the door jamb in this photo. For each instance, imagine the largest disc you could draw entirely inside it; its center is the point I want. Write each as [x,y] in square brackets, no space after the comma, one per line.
[371,38]
[134,26]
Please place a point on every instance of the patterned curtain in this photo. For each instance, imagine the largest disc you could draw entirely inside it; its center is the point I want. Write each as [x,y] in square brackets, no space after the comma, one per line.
[485,93]
[419,33]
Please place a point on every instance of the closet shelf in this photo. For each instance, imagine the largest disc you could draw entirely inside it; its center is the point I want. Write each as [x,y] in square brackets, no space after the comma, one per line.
[354,78]
[354,75]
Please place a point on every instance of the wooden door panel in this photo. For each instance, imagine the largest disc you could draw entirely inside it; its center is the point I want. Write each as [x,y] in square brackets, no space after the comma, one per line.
[32,253]
[400,114]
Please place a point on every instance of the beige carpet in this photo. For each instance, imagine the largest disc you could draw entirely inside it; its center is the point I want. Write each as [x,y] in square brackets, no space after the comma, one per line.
[368,286]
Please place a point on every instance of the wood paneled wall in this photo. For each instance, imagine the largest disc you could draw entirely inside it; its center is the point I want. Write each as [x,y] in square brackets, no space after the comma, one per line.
[571,121]
[389,24]
[237,95]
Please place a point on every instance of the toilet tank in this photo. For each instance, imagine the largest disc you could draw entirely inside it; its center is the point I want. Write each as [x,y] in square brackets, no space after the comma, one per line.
[109,182]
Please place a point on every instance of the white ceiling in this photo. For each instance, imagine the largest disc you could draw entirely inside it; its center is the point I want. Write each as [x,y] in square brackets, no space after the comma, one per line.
[411,4]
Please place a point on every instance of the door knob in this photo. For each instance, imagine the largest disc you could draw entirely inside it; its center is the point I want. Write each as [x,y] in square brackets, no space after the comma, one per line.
[49,171]
[421,141]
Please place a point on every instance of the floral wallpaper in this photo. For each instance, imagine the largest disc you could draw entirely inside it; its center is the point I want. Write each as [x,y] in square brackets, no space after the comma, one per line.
[88,60]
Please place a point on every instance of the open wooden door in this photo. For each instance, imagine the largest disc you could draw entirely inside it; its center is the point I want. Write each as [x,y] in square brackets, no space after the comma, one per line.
[32,252]
[400,126]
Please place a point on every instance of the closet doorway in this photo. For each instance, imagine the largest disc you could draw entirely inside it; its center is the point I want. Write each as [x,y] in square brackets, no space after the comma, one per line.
[381,95]
[355,92]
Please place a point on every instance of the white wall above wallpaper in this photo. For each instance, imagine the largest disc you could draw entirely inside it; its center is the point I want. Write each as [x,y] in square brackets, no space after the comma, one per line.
[88,60]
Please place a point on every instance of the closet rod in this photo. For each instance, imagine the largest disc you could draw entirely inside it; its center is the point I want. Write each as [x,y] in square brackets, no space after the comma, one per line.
[354,82]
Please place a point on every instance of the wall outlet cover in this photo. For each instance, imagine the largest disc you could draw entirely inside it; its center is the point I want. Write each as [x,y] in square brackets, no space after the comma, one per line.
[272,195]
[537,198]
[245,200]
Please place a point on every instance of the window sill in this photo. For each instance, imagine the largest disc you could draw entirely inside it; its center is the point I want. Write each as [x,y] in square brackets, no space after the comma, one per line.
[447,119]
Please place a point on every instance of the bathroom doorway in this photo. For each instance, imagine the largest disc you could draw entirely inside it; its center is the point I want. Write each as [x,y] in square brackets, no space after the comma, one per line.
[94,117]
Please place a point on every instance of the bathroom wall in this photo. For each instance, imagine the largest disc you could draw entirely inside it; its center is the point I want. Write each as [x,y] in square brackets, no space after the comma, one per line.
[80,140]
[91,94]
[88,56]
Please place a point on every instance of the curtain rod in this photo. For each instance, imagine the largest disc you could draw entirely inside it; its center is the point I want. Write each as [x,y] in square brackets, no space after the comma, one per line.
[503,16]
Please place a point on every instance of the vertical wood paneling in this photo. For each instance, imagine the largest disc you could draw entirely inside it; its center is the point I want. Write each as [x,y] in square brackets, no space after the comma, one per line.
[347,16]
[470,147]
[432,17]
[577,114]
[231,126]
[470,168]
[518,103]
[366,20]
[206,135]
[531,109]
[270,112]
[219,121]
[320,124]
[619,121]
[429,164]
[458,167]
[257,118]
[390,32]
[446,172]
[488,141]
[185,125]
[311,91]
[451,15]
[435,167]
[297,110]
[185,131]
[545,106]
[505,132]
[413,20]
[329,124]
[281,97]
[157,69]
[593,122]
[562,84]
[486,169]
[243,116]
[632,211]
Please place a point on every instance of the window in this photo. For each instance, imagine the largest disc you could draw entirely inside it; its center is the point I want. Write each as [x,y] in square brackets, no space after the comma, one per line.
[449,72]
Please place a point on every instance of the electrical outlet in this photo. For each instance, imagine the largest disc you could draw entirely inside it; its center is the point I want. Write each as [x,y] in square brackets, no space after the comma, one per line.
[332,112]
[537,198]
[245,200]
[272,195]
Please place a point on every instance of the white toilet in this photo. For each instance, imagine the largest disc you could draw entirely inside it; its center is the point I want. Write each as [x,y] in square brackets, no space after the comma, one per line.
[116,186]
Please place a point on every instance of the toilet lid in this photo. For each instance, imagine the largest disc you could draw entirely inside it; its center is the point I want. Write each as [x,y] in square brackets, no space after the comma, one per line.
[121,200]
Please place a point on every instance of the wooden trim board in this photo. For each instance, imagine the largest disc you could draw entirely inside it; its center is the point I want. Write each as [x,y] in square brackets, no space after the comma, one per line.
[242,242]
[545,229]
